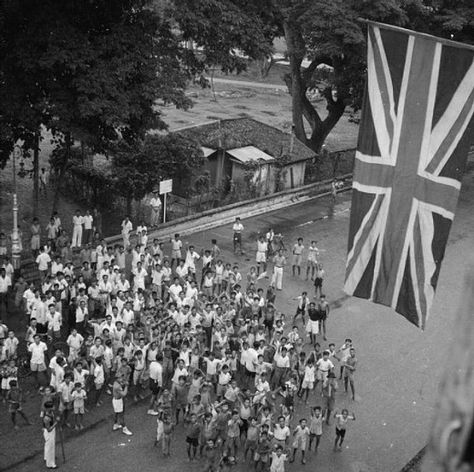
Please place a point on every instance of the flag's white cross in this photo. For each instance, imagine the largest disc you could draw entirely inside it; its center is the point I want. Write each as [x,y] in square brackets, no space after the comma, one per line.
[406,176]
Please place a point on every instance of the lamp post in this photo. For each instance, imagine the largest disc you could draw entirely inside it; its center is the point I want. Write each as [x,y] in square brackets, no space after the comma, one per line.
[16,251]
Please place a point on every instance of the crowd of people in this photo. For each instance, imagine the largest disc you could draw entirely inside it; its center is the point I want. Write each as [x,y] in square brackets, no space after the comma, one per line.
[203,344]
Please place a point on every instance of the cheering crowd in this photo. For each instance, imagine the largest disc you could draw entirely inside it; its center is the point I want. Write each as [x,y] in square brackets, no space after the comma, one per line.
[203,344]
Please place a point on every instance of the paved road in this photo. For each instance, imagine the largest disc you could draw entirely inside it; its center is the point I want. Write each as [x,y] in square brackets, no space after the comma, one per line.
[400,366]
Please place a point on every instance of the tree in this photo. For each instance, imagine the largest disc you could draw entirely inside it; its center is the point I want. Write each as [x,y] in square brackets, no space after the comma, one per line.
[139,167]
[452,19]
[91,71]
[329,35]
[222,33]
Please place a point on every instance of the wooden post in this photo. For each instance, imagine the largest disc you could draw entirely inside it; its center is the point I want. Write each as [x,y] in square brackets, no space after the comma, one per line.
[164,207]
[450,448]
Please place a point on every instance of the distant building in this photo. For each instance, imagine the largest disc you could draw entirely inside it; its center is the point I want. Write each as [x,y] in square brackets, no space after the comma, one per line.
[244,148]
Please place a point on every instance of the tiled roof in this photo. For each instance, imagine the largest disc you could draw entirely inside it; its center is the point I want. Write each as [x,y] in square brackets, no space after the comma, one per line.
[240,132]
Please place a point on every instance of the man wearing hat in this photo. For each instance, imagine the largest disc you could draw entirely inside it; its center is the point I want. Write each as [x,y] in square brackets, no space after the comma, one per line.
[155,204]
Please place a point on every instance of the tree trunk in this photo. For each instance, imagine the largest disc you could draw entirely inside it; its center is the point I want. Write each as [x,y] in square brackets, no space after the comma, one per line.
[67,154]
[293,80]
[297,81]
[129,207]
[36,174]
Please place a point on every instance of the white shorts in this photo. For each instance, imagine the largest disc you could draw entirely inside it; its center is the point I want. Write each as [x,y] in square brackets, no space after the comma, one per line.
[261,257]
[297,259]
[312,327]
[118,405]
[307,384]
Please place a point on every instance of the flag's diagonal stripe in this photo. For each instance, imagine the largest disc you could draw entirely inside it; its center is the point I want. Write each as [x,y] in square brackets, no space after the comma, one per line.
[436,193]
[418,268]
[376,103]
[364,244]
[456,132]
[425,144]
[425,218]
[366,158]
[385,81]
[450,115]
[402,99]
[403,256]
[378,255]
[373,189]
[448,181]
[365,174]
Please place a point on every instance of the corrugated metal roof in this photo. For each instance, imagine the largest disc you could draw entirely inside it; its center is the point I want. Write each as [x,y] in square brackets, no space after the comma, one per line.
[249,154]
[207,151]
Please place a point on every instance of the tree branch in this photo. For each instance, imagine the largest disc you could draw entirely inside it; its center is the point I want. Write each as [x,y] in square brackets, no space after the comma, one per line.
[309,71]
[310,113]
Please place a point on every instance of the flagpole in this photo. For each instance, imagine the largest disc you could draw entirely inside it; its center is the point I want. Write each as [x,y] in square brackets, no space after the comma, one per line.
[447,42]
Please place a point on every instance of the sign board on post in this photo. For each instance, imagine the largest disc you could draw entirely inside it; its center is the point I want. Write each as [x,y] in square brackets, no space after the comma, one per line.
[166,186]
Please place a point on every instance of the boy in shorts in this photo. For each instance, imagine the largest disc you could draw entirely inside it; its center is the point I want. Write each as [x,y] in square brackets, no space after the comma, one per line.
[300,440]
[252,438]
[262,453]
[341,425]
[15,399]
[78,399]
[119,392]
[297,257]
[193,431]
[315,427]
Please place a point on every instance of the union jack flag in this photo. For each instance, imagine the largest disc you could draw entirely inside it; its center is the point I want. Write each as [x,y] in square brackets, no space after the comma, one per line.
[415,133]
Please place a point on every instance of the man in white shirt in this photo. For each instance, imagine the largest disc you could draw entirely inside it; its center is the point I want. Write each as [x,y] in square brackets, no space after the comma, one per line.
[324,366]
[282,366]
[82,316]
[55,321]
[175,289]
[38,360]
[156,382]
[122,285]
[43,260]
[155,204]
[127,228]
[5,285]
[77,221]
[191,257]
[248,359]
[74,341]
[128,315]
[105,289]
[237,228]
[281,432]
[88,220]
